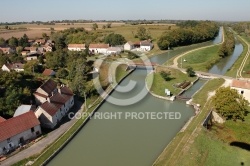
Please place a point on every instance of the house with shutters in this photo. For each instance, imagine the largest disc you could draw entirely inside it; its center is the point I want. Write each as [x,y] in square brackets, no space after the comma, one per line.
[17,131]
[54,103]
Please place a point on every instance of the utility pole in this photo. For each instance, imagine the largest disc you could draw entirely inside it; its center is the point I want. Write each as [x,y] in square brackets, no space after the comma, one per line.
[85,102]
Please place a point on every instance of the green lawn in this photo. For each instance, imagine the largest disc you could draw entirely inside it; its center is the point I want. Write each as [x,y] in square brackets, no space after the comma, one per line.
[201,60]
[201,96]
[209,150]
[159,84]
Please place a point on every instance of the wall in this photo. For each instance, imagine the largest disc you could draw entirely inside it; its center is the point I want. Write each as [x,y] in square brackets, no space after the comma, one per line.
[15,140]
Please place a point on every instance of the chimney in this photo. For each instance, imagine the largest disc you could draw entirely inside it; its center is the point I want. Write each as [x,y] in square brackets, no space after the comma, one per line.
[59,90]
[48,99]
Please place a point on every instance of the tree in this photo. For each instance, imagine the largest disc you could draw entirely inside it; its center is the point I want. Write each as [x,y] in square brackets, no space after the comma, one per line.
[45,36]
[132,55]
[190,71]
[108,25]
[165,75]
[55,60]
[104,27]
[59,39]
[94,26]
[142,33]
[62,73]
[23,41]
[2,41]
[114,39]
[230,104]
[13,42]
[33,66]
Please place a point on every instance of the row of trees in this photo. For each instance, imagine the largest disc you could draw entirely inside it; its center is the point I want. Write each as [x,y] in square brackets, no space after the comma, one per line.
[15,89]
[189,34]
[229,44]
[15,42]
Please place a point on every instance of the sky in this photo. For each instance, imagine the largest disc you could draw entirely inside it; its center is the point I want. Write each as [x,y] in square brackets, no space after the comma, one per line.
[48,10]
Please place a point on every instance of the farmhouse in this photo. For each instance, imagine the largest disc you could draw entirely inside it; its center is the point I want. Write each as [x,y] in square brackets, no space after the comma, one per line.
[17,131]
[146,45]
[76,47]
[40,41]
[114,50]
[55,103]
[98,48]
[31,57]
[129,46]
[49,72]
[18,67]
[7,50]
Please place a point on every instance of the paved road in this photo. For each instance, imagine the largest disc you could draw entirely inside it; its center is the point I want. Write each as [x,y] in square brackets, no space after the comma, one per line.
[42,144]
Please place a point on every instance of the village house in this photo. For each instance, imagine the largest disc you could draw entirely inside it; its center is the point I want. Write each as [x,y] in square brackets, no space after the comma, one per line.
[98,48]
[16,131]
[31,57]
[114,50]
[54,103]
[49,72]
[129,46]
[25,53]
[18,67]
[40,41]
[146,45]
[7,50]
[33,49]
[76,47]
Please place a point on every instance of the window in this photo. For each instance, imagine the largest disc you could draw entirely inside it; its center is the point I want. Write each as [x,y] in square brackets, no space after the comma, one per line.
[32,129]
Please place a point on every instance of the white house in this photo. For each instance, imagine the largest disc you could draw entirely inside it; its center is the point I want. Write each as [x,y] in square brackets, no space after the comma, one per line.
[7,50]
[146,45]
[18,67]
[129,46]
[55,103]
[98,48]
[18,130]
[76,47]
[31,57]
[114,50]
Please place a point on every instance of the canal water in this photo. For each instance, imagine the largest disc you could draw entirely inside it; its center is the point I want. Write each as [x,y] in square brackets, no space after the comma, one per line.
[226,63]
[126,141]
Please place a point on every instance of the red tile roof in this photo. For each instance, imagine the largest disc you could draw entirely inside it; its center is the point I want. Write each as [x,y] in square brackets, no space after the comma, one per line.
[82,46]
[50,108]
[13,66]
[241,84]
[49,86]
[99,46]
[2,119]
[17,125]
[65,90]
[48,72]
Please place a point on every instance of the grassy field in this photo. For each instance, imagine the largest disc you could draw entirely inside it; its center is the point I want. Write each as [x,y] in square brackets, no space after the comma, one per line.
[178,148]
[201,96]
[200,60]
[159,84]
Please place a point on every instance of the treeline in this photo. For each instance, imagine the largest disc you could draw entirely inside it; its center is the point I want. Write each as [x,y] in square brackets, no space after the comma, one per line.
[189,33]
[242,27]
[15,89]
[228,46]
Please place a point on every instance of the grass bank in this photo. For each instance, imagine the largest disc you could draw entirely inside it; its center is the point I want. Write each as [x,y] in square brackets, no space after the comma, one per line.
[174,151]
[201,96]
[200,60]
[159,84]
[233,70]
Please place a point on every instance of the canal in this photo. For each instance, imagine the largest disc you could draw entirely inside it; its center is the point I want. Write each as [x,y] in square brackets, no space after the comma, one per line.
[126,141]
